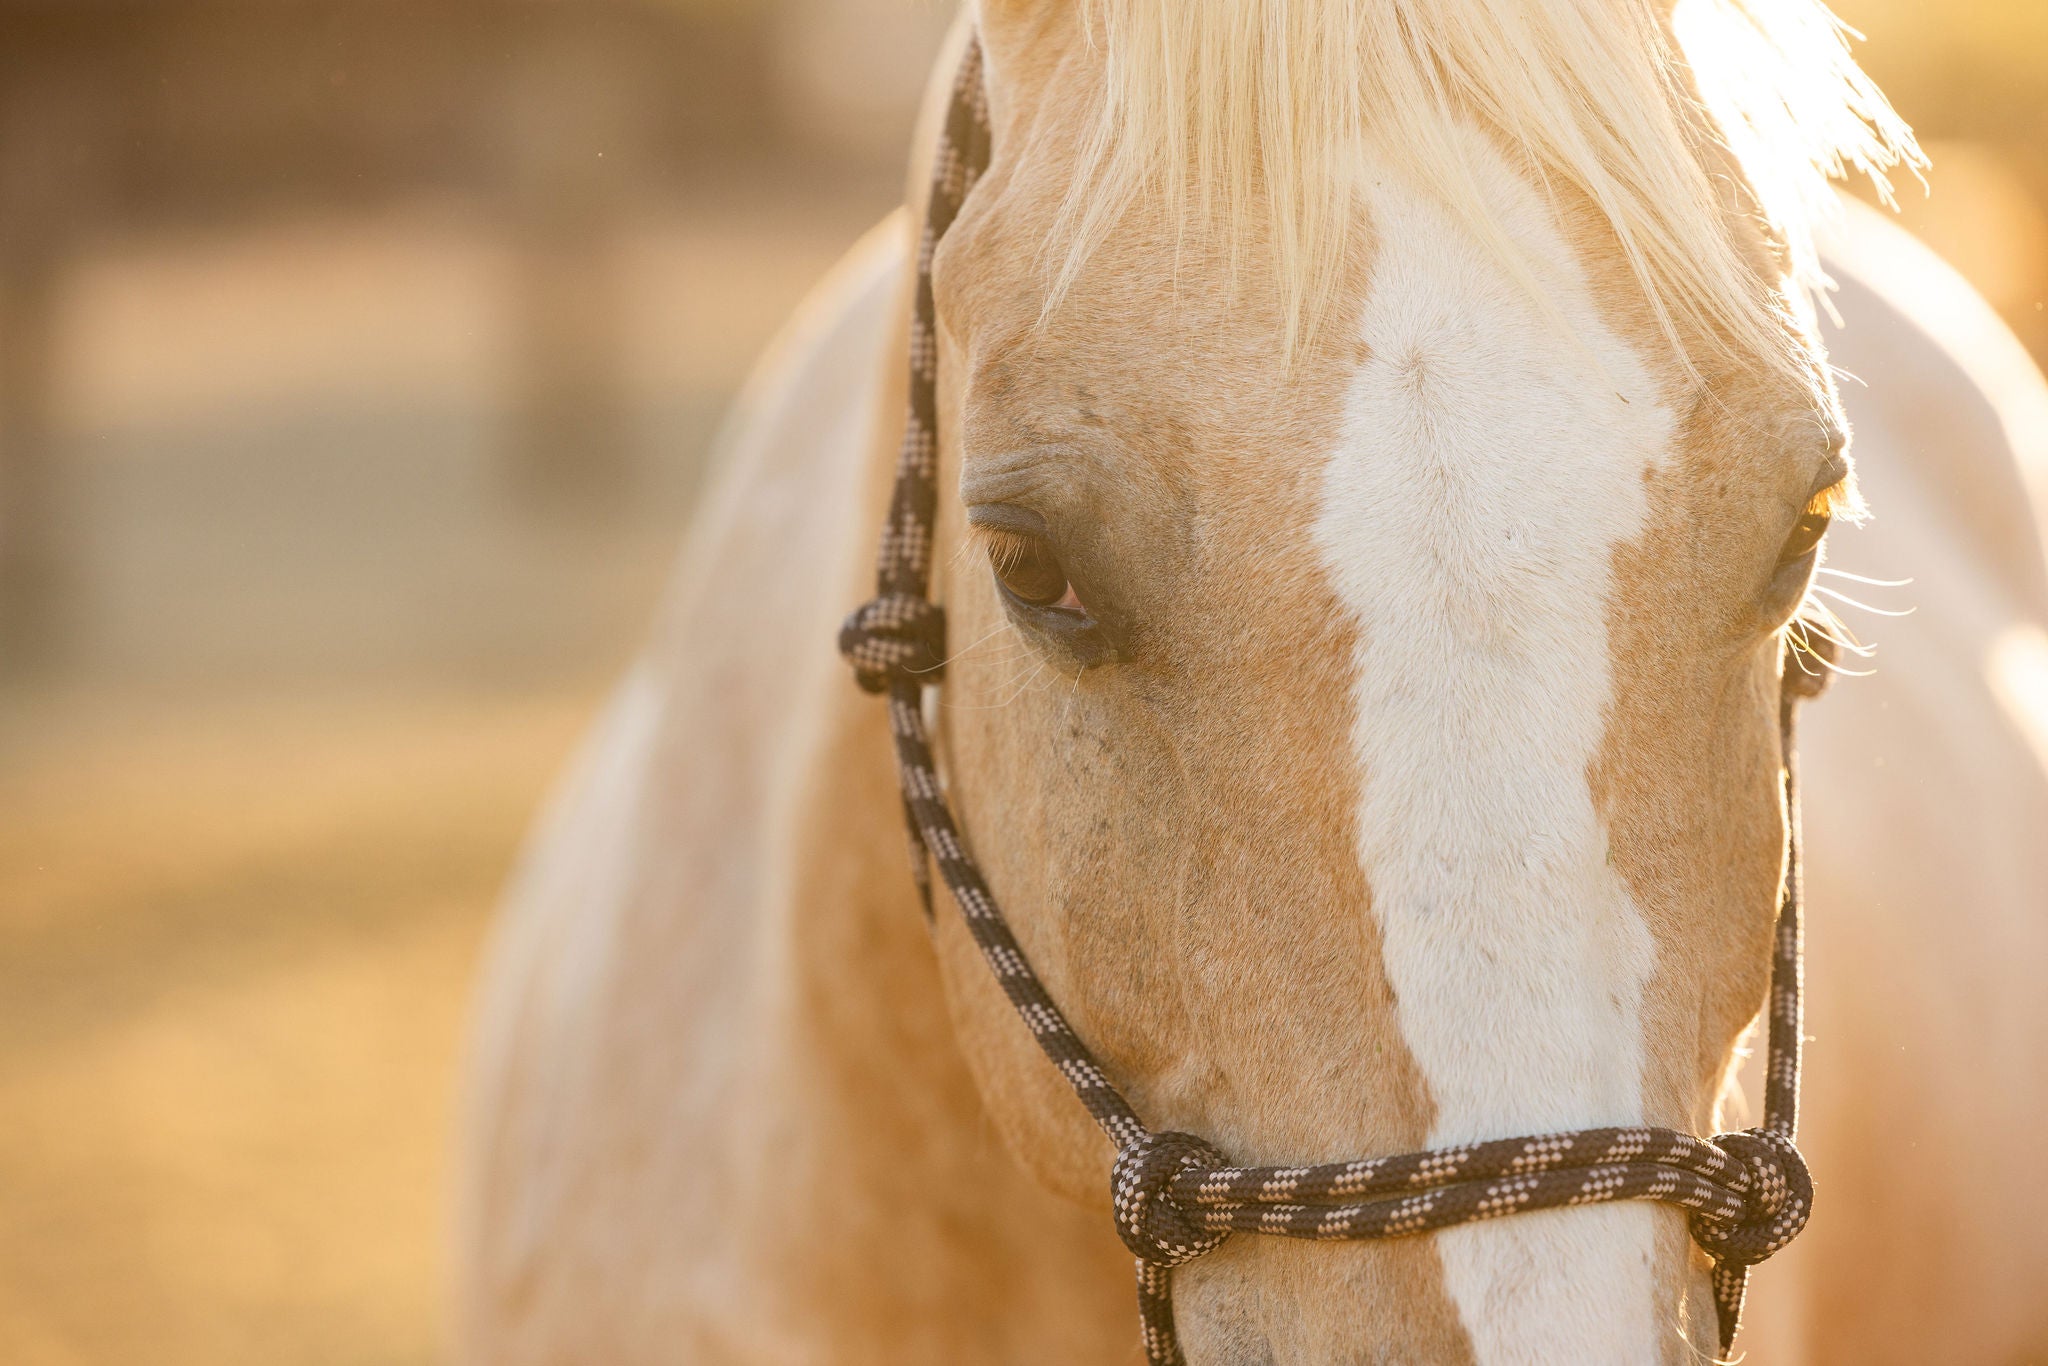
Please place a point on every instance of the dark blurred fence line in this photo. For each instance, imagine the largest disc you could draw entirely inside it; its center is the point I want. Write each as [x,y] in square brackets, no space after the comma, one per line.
[119,116]
[556,117]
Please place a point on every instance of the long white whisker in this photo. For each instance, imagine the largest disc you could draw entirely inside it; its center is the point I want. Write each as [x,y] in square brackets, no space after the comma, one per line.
[1015,652]
[1805,656]
[1852,645]
[1877,611]
[986,636]
[1024,686]
[1017,686]
[1818,618]
[1861,578]
[1814,613]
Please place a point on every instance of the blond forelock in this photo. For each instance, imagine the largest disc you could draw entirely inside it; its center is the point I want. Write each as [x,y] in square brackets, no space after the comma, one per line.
[1248,117]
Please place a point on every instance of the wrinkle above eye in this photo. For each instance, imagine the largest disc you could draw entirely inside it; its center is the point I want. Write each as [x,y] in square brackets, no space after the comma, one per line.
[1033,476]
[1000,519]
[1833,474]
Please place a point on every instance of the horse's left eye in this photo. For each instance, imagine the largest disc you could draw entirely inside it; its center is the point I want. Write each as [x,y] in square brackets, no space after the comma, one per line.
[1805,537]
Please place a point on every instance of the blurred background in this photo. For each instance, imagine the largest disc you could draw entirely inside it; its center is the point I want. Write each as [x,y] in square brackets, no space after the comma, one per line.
[357,363]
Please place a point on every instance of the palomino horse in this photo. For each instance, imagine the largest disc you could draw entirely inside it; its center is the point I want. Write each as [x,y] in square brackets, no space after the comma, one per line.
[1380,460]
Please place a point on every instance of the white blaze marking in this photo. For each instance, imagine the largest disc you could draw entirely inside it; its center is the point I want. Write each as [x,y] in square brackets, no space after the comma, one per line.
[1487,470]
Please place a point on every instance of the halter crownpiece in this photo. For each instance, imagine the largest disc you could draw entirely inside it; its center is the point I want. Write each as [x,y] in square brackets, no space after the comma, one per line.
[1175,1197]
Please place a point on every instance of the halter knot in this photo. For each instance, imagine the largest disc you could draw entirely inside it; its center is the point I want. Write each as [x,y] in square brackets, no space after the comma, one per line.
[1151,1224]
[1777,1198]
[895,636]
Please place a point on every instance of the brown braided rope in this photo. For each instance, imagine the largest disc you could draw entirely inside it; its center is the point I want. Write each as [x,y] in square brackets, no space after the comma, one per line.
[1175,1198]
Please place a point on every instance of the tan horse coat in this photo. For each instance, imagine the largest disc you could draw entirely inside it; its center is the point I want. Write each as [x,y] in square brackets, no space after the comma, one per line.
[720,1111]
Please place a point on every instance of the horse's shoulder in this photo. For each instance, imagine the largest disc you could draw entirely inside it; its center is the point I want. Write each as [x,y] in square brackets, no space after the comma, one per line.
[1943,396]
[1924,798]
[638,896]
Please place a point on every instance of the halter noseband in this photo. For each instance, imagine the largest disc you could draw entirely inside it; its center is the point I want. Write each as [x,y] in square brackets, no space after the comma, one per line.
[1746,1194]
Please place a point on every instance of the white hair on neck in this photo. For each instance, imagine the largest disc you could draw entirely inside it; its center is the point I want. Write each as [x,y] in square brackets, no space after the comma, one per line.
[1255,111]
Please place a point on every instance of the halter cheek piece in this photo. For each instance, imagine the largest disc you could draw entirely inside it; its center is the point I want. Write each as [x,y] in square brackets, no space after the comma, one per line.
[1176,1198]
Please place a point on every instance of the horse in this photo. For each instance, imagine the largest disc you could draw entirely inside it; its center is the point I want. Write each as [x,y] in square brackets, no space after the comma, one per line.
[1384,449]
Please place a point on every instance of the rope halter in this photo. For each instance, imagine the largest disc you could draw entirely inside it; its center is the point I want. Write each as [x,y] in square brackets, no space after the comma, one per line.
[894,636]
[1154,1225]
[1776,1192]
[1176,1198]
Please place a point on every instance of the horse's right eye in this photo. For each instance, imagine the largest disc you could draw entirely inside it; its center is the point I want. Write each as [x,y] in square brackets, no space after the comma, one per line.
[1028,569]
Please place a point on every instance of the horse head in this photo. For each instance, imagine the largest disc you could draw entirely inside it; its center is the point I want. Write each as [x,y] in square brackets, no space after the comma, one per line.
[1376,486]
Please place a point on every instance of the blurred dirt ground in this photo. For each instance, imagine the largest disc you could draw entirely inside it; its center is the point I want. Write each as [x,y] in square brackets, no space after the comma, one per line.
[231,1028]
[327,659]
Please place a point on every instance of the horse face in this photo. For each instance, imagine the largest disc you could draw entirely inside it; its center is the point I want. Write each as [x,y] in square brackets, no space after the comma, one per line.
[1373,749]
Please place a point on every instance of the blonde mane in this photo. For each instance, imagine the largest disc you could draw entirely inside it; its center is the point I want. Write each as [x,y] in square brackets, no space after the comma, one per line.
[1254,111]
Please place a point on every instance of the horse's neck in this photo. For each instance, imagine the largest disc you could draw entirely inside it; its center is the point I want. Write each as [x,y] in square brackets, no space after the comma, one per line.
[883,1208]
[871,1191]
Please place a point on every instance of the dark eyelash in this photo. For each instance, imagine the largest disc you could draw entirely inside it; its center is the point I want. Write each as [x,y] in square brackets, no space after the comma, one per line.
[1004,547]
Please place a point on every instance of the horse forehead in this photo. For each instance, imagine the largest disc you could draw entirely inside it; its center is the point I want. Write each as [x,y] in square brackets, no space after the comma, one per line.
[1516,407]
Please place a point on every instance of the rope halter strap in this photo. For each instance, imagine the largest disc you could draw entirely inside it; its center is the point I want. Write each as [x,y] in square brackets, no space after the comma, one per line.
[1175,1197]
[896,635]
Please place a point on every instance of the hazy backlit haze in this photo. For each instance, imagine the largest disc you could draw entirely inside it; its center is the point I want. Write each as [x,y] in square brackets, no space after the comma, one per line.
[357,363]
